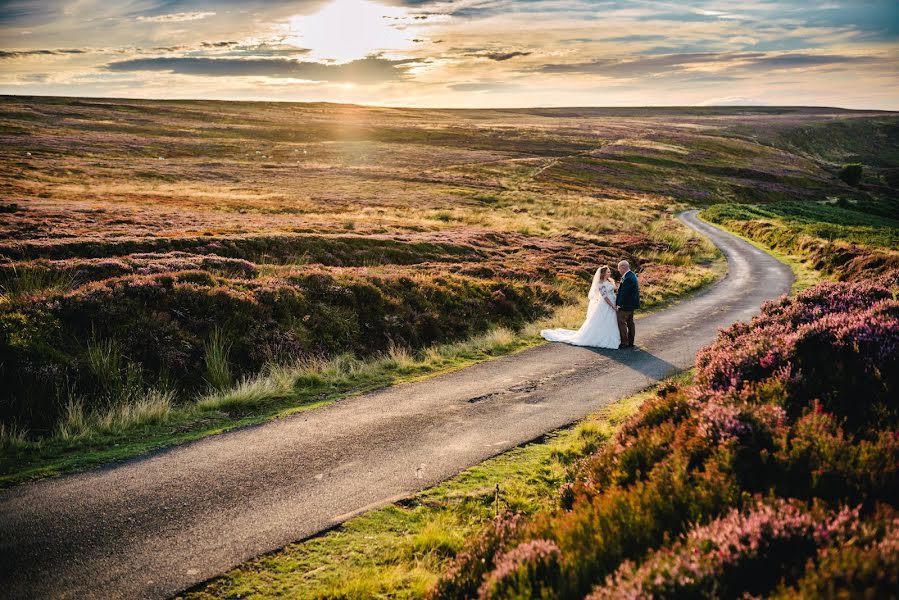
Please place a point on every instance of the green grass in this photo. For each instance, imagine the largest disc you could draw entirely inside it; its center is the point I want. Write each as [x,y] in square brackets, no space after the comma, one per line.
[35,280]
[826,221]
[86,440]
[871,141]
[149,420]
[845,241]
[216,353]
[398,551]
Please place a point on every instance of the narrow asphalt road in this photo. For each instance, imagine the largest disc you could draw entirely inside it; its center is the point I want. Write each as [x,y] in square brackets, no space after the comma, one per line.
[158,524]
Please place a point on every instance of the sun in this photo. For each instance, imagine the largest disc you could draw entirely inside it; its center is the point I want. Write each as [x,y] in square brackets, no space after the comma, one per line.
[347,30]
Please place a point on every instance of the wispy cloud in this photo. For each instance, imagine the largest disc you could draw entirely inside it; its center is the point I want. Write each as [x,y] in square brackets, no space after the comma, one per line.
[175,17]
[458,52]
[734,62]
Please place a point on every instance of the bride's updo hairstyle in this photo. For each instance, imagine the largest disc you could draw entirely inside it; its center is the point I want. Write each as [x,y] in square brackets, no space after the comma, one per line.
[603,270]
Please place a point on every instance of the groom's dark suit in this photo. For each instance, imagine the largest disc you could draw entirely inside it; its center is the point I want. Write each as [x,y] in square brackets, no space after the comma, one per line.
[628,300]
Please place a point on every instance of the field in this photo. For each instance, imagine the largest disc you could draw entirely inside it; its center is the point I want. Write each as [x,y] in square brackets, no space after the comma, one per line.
[714,487]
[172,269]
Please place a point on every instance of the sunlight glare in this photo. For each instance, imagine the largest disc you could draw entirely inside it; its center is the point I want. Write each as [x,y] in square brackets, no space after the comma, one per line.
[347,30]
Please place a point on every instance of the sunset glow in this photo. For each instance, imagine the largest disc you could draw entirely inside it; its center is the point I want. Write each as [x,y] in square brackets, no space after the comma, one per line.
[345,30]
[463,53]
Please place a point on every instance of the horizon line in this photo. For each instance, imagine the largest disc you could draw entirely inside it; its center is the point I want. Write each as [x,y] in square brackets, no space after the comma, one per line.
[500,108]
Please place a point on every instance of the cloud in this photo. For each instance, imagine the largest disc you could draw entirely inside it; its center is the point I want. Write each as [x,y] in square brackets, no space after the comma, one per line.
[492,54]
[799,61]
[501,56]
[176,17]
[631,38]
[24,53]
[738,61]
[484,86]
[555,52]
[644,66]
[366,70]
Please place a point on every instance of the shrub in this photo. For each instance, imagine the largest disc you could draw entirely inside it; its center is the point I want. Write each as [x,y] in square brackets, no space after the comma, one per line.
[743,552]
[774,413]
[851,173]
[828,344]
[866,568]
[202,330]
[464,577]
[851,244]
[530,570]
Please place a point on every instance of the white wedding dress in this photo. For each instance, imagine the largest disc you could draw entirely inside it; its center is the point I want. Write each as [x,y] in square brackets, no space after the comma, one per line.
[600,328]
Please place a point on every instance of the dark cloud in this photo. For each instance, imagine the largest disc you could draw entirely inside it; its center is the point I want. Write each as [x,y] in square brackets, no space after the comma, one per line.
[367,70]
[23,53]
[27,12]
[223,49]
[492,54]
[500,56]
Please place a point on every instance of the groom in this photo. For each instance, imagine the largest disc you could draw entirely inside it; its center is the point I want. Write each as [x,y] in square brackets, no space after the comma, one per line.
[627,302]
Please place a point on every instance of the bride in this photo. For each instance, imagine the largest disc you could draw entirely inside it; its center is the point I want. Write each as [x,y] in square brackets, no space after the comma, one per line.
[600,329]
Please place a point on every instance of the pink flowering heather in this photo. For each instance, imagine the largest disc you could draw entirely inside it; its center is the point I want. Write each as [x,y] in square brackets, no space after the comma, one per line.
[798,405]
[749,351]
[719,421]
[740,552]
[523,571]
[868,567]
[466,573]
[836,343]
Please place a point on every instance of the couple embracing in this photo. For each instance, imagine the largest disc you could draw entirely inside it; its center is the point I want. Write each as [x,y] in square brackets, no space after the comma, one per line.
[610,314]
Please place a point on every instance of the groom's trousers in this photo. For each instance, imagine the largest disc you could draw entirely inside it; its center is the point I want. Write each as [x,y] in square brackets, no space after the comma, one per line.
[626,327]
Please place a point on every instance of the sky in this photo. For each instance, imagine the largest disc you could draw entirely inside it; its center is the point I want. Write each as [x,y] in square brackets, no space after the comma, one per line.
[461,53]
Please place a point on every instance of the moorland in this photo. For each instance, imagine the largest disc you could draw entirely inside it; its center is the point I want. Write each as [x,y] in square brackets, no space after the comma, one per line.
[769,469]
[170,269]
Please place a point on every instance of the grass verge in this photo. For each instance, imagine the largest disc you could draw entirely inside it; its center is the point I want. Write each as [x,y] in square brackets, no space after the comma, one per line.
[805,276]
[86,439]
[399,550]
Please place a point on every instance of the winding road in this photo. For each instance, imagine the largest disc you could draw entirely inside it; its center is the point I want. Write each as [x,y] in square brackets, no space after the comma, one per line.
[155,525]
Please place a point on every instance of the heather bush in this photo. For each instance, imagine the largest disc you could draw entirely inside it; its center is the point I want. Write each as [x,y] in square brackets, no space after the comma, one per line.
[818,458]
[832,343]
[743,552]
[166,325]
[868,567]
[796,405]
[849,244]
[530,570]
[465,576]
[48,275]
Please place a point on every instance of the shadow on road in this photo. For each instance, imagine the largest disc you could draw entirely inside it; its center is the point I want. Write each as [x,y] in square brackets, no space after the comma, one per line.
[640,360]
